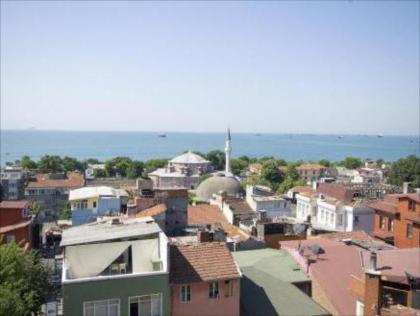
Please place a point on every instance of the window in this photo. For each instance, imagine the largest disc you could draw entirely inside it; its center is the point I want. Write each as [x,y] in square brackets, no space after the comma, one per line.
[109,307]
[411,206]
[340,219]
[410,230]
[146,305]
[228,288]
[356,220]
[359,308]
[94,204]
[185,293]
[213,290]
[381,222]
[390,225]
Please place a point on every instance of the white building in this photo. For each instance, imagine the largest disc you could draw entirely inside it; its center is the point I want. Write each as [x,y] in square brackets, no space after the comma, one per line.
[182,171]
[90,170]
[89,203]
[262,200]
[332,214]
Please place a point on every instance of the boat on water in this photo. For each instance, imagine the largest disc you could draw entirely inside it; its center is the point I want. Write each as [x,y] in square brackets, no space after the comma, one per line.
[163,135]
[340,137]
[257,134]
[380,135]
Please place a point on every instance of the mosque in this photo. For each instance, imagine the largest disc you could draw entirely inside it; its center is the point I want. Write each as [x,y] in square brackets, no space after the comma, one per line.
[221,181]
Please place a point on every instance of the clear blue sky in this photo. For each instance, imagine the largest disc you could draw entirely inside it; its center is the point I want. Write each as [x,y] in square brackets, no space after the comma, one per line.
[300,67]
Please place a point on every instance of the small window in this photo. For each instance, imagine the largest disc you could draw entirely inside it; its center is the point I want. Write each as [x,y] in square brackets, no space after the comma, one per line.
[410,230]
[94,204]
[145,305]
[381,222]
[390,225]
[356,220]
[213,290]
[185,293]
[411,206]
[228,288]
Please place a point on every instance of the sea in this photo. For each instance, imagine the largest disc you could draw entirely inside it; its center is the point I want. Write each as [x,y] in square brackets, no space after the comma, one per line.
[148,145]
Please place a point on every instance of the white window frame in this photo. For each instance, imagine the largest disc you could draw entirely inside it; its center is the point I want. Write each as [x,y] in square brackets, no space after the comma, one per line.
[212,290]
[185,293]
[359,308]
[139,297]
[98,301]
[228,288]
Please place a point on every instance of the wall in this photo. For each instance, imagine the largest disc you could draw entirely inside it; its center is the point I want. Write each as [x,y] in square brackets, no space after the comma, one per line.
[10,216]
[200,303]
[23,234]
[400,226]
[74,294]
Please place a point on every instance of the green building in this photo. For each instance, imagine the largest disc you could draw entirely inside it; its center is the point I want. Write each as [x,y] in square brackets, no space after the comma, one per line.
[273,284]
[119,267]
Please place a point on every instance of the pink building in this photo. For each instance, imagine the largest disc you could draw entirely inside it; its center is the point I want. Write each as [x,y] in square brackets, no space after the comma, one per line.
[204,280]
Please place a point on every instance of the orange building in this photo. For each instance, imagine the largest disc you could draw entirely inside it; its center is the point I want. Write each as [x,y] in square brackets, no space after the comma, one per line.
[16,222]
[397,220]
[204,280]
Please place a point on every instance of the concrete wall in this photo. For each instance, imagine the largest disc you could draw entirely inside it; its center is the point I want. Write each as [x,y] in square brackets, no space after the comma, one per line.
[201,304]
[74,294]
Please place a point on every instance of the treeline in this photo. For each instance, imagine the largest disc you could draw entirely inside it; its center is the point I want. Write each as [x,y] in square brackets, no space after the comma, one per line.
[405,169]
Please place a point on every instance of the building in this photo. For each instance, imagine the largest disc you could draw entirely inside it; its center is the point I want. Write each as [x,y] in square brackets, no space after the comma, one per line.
[311,171]
[89,203]
[220,181]
[182,171]
[397,220]
[233,208]
[269,205]
[387,279]
[51,192]
[204,280]
[333,207]
[90,170]
[12,183]
[16,223]
[330,260]
[119,267]
[273,284]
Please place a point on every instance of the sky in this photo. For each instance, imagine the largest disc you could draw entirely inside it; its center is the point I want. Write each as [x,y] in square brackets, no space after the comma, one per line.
[340,67]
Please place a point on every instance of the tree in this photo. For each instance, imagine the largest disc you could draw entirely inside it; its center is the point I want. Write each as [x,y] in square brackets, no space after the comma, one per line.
[352,162]
[27,163]
[23,281]
[135,170]
[271,173]
[72,164]
[65,212]
[325,163]
[35,208]
[217,159]
[49,163]
[237,165]
[99,173]
[405,170]
[153,164]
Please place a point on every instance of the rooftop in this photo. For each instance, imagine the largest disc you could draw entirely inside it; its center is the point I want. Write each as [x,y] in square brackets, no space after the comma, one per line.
[152,211]
[201,262]
[336,191]
[189,158]
[386,207]
[90,192]
[45,180]
[13,204]
[311,166]
[106,231]
[204,214]
[266,287]
[239,206]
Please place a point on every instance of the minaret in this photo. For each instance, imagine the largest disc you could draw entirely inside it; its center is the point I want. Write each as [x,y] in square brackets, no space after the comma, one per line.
[228,150]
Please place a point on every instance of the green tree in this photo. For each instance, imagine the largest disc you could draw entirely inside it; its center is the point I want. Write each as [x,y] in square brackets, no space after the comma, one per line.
[352,162]
[405,170]
[35,208]
[217,159]
[153,164]
[99,173]
[23,281]
[380,162]
[27,163]
[270,172]
[237,165]
[72,164]
[135,170]
[49,163]
[325,163]
[65,212]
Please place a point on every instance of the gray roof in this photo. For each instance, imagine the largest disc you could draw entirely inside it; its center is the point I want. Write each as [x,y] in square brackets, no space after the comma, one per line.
[267,284]
[190,158]
[215,184]
[105,231]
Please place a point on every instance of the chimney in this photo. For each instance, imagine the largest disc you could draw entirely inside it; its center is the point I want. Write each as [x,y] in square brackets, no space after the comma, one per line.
[405,187]
[203,236]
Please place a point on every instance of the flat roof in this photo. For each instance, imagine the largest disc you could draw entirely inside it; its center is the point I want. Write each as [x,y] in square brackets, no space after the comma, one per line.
[106,231]
[266,285]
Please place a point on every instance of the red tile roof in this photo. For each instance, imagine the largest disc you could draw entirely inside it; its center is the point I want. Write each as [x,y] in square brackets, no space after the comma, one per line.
[14,204]
[412,196]
[387,207]
[311,166]
[201,262]
[152,211]
[43,180]
[9,228]
[336,191]
[204,214]
[302,188]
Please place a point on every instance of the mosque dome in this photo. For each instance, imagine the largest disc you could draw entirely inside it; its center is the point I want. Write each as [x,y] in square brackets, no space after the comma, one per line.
[216,184]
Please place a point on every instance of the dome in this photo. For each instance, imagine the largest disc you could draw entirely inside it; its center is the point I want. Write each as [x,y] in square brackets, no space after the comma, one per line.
[190,158]
[215,184]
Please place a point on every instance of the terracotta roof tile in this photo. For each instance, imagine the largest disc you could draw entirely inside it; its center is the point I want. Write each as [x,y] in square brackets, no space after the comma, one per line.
[152,211]
[383,206]
[336,191]
[13,204]
[201,262]
[43,180]
[310,166]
